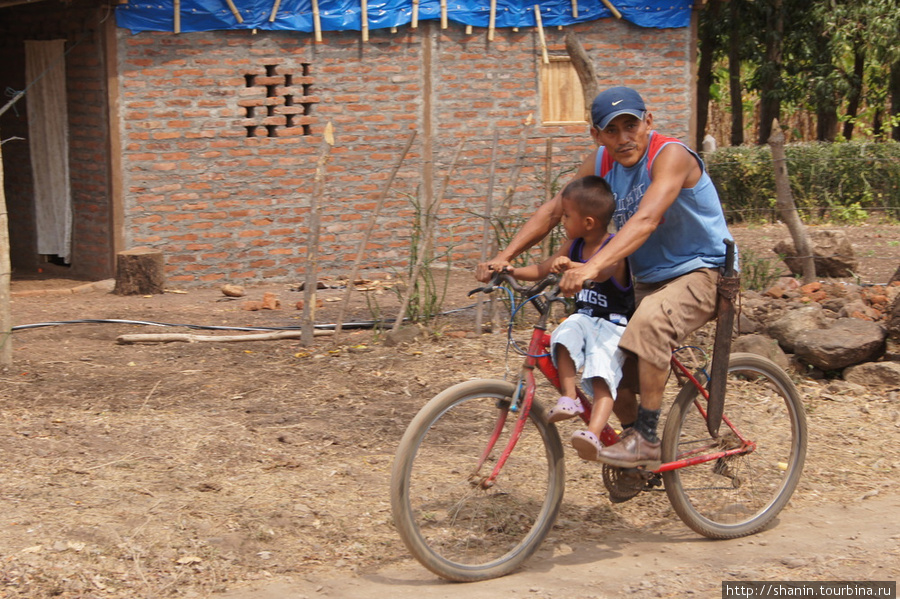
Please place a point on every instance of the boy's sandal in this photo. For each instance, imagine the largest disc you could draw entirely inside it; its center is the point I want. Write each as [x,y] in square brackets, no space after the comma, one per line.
[586,444]
[564,409]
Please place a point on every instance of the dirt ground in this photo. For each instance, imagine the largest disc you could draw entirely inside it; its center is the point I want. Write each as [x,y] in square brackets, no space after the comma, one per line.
[259,470]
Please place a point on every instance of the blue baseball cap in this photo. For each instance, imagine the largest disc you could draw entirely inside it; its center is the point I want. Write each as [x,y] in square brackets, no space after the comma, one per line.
[615,101]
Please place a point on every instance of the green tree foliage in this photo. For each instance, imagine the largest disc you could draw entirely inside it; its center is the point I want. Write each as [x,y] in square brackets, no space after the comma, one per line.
[839,182]
[835,59]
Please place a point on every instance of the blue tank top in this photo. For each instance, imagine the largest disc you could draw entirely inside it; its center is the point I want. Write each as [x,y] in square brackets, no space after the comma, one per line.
[691,232]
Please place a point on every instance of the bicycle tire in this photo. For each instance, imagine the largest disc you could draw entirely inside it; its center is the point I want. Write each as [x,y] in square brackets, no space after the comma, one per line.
[453,527]
[739,495]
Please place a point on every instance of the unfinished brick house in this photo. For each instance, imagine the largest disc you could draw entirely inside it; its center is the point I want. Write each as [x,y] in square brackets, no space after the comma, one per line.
[198,133]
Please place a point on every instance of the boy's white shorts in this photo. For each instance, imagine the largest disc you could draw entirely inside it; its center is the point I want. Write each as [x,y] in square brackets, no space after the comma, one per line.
[593,344]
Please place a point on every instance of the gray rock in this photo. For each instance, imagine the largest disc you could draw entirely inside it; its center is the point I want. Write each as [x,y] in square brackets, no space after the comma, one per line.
[402,336]
[894,320]
[786,329]
[745,325]
[761,346]
[848,341]
[833,253]
[874,374]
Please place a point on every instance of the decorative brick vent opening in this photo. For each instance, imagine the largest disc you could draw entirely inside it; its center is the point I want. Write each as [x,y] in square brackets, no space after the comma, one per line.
[278,104]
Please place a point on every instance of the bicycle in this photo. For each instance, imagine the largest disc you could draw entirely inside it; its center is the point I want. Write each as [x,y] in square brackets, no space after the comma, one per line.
[474,491]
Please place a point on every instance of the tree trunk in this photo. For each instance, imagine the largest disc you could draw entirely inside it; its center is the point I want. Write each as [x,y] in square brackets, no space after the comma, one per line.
[826,102]
[787,209]
[770,94]
[734,77]
[826,123]
[582,64]
[895,99]
[704,69]
[856,82]
[878,124]
[895,276]
[140,271]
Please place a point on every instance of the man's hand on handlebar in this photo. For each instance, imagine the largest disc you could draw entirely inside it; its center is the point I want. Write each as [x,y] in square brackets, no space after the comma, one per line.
[573,279]
[485,271]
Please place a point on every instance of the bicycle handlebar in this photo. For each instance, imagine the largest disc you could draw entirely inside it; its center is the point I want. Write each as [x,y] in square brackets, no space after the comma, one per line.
[503,276]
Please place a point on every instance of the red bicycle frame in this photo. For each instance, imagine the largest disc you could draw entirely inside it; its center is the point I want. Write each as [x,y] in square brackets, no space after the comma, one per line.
[538,356]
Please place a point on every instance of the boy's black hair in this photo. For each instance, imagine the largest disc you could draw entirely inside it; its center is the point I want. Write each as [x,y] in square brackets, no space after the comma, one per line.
[593,197]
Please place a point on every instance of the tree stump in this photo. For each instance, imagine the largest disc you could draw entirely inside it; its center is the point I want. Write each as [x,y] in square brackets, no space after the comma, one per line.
[140,271]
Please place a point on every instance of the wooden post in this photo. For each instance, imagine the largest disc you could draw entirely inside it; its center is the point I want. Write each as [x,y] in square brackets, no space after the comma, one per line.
[317,21]
[540,27]
[787,209]
[517,167]
[548,191]
[237,13]
[5,274]
[427,240]
[492,20]
[365,240]
[415,14]
[575,9]
[612,9]
[275,6]
[176,17]
[312,246]
[487,230]
[444,23]
[364,16]
[427,111]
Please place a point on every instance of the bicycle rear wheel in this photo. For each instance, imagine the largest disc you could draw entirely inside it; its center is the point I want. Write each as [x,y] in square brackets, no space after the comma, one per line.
[738,495]
[450,523]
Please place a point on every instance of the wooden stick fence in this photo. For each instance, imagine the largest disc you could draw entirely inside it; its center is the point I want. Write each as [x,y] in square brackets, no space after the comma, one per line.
[369,228]
[5,274]
[427,240]
[487,243]
[312,252]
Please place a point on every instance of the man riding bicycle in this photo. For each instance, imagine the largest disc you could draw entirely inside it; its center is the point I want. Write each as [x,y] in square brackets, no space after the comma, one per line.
[670,227]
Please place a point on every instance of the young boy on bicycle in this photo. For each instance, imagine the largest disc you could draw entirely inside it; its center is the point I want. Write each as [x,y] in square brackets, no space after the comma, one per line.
[589,338]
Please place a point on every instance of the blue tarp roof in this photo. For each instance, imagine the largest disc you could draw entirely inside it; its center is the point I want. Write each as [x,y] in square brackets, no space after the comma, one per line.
[343,15]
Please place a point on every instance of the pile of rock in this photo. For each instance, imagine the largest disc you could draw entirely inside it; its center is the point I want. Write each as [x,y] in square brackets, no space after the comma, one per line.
[823,328]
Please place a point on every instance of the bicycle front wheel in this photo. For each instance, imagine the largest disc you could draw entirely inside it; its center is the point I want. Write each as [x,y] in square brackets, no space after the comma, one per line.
[450,522]
[737,495]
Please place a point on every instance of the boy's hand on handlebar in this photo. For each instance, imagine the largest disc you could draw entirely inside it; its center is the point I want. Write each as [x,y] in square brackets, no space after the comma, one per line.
[486,270]
[561,264]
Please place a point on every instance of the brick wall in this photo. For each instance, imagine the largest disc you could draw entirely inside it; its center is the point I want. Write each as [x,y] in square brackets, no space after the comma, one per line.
[222,131]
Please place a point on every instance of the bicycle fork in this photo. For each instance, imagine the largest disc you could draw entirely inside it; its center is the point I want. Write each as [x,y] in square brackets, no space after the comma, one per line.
[519,404]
